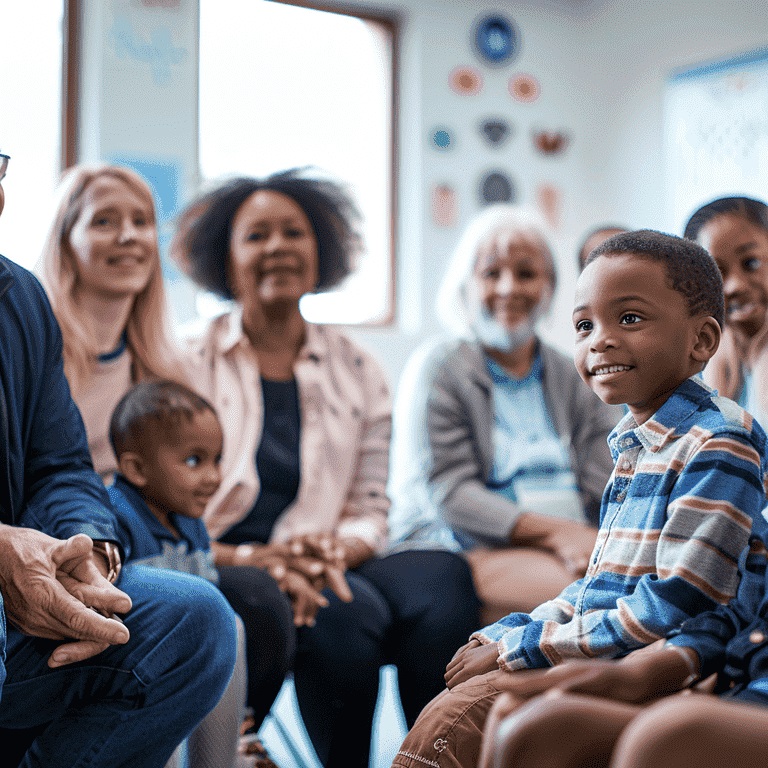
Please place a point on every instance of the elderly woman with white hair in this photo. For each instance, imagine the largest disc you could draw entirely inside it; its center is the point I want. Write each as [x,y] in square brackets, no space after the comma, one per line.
[500,449]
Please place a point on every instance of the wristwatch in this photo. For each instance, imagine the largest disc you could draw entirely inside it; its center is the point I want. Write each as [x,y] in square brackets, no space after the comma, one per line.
[111,552]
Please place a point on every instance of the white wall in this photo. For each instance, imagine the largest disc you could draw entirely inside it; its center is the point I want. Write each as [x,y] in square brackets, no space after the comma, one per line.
[602,65]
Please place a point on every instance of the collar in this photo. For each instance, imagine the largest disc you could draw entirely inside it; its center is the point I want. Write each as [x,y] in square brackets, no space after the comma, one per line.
[159,531]
[663,426]
[231,334]
[116,352]
[500,376]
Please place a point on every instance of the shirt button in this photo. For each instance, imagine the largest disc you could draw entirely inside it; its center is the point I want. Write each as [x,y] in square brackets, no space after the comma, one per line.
[626,464]
[756,637]
[621,496]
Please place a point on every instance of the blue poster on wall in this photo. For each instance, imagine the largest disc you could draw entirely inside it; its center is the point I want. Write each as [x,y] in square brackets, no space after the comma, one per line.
[164,175]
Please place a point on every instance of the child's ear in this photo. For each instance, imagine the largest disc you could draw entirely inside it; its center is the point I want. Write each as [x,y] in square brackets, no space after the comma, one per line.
[707,340]
[131,467]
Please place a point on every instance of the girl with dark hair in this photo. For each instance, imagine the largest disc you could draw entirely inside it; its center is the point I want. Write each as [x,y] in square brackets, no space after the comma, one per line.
[735,231]
[307,422]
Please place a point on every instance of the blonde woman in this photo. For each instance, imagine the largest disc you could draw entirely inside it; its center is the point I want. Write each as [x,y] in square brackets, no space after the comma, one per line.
[101,269]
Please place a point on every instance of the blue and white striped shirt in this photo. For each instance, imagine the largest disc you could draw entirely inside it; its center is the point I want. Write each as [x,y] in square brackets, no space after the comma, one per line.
[675,516]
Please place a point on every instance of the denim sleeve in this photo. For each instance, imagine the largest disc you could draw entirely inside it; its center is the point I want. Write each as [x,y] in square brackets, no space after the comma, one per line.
[62,493]
[2,647]
[710,633]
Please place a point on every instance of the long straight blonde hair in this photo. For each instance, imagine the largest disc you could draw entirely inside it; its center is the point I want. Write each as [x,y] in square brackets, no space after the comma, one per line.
[147,330]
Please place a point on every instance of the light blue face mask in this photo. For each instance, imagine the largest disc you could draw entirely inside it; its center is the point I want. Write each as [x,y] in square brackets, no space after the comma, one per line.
[491,333]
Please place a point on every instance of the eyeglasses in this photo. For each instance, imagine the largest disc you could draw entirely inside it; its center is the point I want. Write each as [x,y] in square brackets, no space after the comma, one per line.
[4,165]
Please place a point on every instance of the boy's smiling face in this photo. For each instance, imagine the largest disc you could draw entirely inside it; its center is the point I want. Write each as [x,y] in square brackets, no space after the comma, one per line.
[636,340]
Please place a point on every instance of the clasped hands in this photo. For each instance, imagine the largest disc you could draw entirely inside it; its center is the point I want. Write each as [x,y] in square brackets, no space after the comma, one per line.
[305,565]
[57,589]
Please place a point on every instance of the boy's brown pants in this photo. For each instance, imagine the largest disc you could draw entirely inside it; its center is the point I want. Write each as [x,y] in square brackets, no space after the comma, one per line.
[449,730]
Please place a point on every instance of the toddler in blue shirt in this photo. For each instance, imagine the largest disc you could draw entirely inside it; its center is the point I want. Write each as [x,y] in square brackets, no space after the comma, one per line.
[168,443]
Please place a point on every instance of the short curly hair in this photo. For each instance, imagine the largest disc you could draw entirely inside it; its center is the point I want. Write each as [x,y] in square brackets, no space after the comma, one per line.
[201,243]
[691,271]
[152,406]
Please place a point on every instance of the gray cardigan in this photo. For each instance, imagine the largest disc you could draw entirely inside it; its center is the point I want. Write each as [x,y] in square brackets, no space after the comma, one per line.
[443,453]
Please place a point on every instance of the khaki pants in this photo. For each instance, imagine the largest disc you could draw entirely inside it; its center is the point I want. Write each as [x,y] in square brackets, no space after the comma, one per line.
[449,731]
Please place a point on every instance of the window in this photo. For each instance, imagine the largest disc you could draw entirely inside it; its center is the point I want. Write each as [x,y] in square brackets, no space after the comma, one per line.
[285,85]
[717,132]
[30,122]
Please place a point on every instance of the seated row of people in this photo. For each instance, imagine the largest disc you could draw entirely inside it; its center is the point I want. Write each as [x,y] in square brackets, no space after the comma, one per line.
[300,517]
[687,492]
[500,452]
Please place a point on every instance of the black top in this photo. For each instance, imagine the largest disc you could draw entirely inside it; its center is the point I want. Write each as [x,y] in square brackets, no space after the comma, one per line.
[277,463]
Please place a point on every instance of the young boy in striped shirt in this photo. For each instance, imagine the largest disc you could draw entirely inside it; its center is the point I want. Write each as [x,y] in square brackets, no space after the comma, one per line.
[678,511]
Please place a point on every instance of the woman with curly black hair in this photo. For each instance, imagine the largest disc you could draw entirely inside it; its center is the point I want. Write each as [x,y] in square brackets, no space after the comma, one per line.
[307,422]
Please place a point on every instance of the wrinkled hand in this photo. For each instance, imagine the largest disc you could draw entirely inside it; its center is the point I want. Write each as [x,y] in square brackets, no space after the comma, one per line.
[572,543]
[470,660]
[49,586]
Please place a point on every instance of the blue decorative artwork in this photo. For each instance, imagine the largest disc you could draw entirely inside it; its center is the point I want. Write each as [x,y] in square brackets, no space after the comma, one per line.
[442,139]
[497,187]
[496,39]
[158,52]
[163,176]
[495,131]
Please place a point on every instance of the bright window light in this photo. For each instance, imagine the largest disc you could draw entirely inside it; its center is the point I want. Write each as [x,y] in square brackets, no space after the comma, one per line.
[30,122]
[717,133]
[284,86]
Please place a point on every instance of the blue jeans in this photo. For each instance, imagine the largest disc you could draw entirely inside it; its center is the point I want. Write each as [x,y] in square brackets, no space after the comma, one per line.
[132,704]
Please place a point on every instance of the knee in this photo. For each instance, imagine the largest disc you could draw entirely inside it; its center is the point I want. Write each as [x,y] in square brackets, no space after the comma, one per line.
[659,732]
[186,630]
[349,637]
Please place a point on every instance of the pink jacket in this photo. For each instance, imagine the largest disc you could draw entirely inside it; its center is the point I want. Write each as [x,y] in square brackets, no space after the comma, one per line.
[345,431]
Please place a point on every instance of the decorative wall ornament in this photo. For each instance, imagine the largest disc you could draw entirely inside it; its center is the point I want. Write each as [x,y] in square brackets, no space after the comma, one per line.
[442,139]
[497,187]
[550,142]
[496,131]
[524,87]
[466,80]
[444,205]
[496,39]
[549,199]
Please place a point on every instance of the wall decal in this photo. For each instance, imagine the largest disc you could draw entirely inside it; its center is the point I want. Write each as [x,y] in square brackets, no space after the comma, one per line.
[549,199]
[524,87]
[496,39]
[550,142]
[497,187]
[444,205]
[466,80]
[442,139]
[496,131]
[159,52]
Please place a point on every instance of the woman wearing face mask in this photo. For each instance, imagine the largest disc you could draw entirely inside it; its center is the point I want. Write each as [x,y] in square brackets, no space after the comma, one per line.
[499,448]
[735,231]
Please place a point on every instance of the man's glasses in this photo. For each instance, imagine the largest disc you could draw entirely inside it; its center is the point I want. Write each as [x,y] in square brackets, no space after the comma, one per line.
[4,165]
